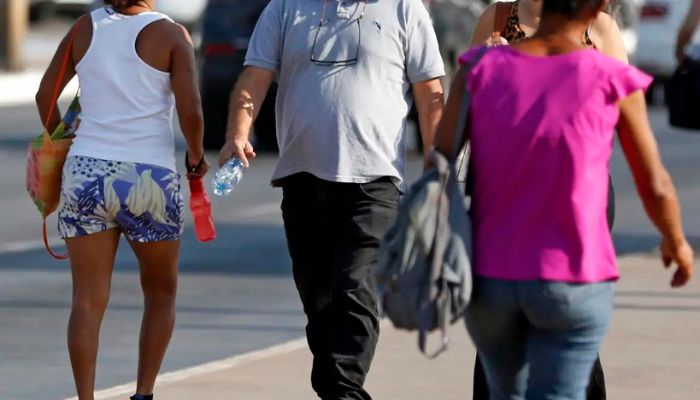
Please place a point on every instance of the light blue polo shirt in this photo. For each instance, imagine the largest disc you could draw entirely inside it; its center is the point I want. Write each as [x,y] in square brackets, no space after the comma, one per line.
[344,123]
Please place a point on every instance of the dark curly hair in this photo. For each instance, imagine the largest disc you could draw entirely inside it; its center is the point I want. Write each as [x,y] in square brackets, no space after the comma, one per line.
[123,3]
[570,8]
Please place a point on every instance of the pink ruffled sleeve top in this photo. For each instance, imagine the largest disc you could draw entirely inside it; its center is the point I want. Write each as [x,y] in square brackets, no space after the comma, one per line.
[542,136]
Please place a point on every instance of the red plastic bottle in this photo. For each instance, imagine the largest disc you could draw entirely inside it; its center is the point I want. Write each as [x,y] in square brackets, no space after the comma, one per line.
[200,205]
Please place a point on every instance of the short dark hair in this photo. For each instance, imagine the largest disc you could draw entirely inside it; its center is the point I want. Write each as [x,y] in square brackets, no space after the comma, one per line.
[570,8]
[123,3]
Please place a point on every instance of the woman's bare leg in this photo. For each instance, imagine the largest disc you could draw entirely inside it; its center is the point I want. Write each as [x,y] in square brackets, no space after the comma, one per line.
[159,264]
[92,262]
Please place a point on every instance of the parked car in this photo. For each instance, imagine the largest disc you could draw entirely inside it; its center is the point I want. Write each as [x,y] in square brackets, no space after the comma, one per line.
[44,9]
[626,13]
[188,13]
[227,28]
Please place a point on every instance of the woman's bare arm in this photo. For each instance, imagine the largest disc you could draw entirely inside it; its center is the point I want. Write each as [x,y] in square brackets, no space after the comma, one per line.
[445,136]
[183,77]
[654,185]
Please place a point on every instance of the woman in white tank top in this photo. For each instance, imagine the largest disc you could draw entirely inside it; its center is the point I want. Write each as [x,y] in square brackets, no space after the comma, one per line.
[134,66]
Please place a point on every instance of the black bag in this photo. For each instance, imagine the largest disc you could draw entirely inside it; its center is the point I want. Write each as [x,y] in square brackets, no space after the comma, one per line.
[683,95]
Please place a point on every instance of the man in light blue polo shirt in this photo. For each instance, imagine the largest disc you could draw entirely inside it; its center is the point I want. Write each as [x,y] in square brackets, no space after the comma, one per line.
[348,71]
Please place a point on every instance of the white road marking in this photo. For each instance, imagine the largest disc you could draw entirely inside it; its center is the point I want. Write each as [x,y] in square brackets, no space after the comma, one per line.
[28,245]
[207,368]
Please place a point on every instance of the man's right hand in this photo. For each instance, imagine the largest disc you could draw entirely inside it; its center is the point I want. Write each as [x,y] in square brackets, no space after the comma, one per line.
[246,98]
[240,149]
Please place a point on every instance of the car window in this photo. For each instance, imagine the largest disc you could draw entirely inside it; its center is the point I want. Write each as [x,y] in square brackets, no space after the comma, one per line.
[232,21]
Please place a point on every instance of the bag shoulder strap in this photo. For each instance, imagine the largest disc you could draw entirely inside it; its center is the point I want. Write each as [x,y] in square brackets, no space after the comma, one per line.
[461,130]
[500,23]
[45,237]
[62,74]
[463,116]
[52,109]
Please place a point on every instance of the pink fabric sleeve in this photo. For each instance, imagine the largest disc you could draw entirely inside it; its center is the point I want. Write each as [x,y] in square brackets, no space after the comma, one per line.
[465,60]
[625,80]
[466,57]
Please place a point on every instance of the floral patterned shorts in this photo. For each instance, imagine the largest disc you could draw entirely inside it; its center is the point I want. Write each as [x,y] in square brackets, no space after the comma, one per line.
[143,201]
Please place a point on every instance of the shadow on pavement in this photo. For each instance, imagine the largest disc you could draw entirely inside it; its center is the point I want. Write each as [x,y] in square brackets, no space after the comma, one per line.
[254,250]
[239,250]
[16,143]
[631,243]
[213,311]
[648,294]
[656,307]
[292,329]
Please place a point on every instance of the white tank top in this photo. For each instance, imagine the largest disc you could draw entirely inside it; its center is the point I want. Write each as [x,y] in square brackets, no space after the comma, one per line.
[127,105]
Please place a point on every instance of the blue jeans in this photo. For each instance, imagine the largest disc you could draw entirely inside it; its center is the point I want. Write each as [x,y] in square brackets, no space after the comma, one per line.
[538,340]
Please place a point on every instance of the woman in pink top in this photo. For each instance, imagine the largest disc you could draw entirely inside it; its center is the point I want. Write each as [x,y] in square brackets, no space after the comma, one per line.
[541,143]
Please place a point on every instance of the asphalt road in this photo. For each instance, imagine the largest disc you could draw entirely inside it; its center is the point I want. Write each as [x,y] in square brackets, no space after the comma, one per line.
[236,294]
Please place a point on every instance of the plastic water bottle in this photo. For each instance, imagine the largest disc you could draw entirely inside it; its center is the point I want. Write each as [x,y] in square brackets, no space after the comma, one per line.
[227,177]
[200,205]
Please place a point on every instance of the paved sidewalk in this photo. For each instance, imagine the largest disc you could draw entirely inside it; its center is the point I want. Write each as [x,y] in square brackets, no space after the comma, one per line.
[651,353]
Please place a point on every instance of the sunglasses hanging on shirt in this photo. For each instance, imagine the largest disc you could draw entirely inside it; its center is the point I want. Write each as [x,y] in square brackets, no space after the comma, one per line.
[323,22]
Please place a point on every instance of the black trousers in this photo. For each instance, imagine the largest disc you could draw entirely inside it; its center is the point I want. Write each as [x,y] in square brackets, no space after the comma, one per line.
[333,233]
[596,385]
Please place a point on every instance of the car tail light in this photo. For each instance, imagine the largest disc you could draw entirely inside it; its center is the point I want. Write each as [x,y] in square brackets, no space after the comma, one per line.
[218,49]
[654,10]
